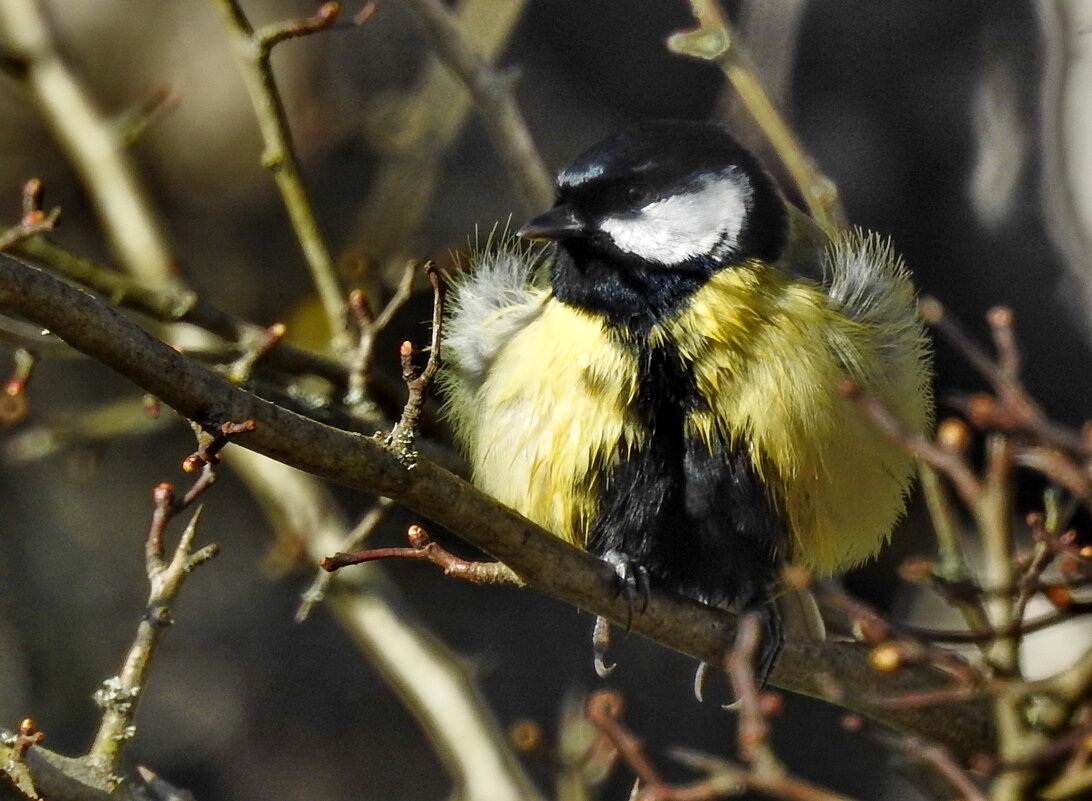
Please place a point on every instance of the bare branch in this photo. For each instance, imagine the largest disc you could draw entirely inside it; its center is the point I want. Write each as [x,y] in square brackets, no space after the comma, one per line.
[422,547]
[402,436]
[170,304]
[713,40]
[543,561]
[493,95]
[89,140]
[119,694]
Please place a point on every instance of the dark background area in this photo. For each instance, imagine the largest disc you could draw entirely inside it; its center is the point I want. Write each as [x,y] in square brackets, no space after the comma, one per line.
[243,703]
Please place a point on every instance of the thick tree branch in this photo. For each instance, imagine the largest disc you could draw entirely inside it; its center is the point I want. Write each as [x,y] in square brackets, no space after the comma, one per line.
[544,562]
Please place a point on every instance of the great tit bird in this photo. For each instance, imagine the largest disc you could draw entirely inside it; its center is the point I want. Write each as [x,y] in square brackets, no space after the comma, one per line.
[663,388]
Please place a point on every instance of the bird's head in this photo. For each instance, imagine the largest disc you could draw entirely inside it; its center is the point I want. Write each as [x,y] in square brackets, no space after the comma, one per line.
[646,215]
[666,193]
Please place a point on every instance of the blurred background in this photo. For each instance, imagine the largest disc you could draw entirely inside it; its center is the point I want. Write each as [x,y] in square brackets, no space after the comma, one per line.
[946,124]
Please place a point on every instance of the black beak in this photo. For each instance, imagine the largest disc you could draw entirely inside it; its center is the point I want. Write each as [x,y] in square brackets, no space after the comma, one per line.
[560,222]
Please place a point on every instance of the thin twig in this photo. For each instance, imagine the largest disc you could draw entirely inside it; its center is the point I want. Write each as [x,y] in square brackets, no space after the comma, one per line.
[14,766]
[714,40]
[1013,409]
[34,220]
[725,780]
[315,593]
[402,436]
[89,140]
[938,758]
[240,369]
[210,441]
[753,731]
[604,709]
[1015,628]
[131,125]
[170,304]
[423,547]
[722,778]
[253,49]
[371,326]
[412,132]
[1029,581]
[492,92]
[119,694]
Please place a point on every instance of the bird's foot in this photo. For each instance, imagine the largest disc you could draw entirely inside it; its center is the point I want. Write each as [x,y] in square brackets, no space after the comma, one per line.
[633,583]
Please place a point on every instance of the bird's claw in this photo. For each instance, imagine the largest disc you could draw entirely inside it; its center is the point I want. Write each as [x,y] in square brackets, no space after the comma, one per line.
[772,642]
[600,645]
[765,659]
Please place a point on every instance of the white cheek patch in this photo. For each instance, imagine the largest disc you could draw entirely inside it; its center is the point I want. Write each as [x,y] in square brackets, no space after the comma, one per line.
[707,221]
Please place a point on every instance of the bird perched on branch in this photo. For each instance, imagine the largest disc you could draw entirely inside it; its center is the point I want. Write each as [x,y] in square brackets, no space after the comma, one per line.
[662,386]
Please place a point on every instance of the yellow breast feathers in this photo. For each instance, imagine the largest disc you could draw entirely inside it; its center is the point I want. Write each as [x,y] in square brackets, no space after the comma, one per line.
[767,354]
[554,411]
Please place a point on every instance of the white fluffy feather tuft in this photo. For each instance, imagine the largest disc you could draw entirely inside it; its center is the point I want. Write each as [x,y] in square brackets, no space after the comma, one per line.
[490,302]
[871,284]
[868,282]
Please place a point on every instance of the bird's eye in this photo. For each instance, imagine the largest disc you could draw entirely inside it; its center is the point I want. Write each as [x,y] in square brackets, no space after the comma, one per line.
[638,194]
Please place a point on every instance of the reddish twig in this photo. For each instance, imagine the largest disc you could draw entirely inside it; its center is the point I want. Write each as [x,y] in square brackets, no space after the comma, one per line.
[723,779]
[13,399]
[210,443]
[753,731]
[1014,410]
[1029,583]
[323,19]
[26,737]
[604,709]
[957,694]
[422,547]
[896,645]
[14,747]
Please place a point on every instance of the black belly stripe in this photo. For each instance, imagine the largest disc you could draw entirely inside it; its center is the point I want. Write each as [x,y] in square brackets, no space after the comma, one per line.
[701,522]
